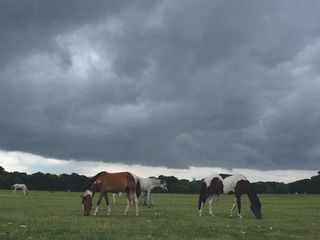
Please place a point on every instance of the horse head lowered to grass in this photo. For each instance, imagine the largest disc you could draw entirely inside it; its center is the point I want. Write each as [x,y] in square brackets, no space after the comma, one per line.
[105,182]
[215,185]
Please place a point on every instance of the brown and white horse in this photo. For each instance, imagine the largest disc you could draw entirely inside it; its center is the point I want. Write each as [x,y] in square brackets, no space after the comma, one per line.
[105,182]
[217,184]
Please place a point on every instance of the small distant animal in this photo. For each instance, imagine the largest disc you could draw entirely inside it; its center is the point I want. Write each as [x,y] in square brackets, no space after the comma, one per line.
[22,187]
[213,186]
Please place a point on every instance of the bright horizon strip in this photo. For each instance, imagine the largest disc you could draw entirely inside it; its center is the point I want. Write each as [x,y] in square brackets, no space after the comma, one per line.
[31,163]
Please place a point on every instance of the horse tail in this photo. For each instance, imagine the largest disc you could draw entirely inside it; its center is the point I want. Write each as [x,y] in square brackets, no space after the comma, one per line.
[203,194]
[138,188]
[131,184]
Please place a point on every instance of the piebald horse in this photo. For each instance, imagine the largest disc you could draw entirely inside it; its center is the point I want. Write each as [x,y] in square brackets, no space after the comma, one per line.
[105,182]
[22,187]
[215,185]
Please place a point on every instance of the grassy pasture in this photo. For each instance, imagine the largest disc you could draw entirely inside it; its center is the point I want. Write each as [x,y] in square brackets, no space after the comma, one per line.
[45,215]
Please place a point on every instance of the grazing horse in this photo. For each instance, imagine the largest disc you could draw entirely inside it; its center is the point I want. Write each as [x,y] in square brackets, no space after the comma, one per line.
[105,182]
[224,183]
[22,187]
[210,187]
[147,185]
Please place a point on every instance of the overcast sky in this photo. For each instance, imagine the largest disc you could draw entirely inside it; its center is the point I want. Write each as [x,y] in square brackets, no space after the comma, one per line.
[220,84]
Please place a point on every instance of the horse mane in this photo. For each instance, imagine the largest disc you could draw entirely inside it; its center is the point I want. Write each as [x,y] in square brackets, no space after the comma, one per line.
[94,178]
[97,175]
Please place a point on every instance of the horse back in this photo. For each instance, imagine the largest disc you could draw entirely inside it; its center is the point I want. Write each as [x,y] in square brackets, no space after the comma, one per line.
[116,182]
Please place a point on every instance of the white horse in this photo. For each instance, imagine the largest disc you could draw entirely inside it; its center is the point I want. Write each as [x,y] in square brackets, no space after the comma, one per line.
[147,185]
[114,197]
[22,187]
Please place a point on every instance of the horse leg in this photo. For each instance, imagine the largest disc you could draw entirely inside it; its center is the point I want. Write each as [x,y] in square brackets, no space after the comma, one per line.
[202,204]
[210,205]
[145,199]
[136,201]
[233,207]
[107,203]
[113,198]
[238,200]
[151,202]
[127,207]
[98,203]
[128,204]
[201,207]
[149,198]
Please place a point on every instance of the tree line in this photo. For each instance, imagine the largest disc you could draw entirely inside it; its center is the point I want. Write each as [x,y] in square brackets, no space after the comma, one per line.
[77,183]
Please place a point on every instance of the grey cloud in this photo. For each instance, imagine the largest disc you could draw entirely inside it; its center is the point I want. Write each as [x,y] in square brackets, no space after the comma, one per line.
[209,83]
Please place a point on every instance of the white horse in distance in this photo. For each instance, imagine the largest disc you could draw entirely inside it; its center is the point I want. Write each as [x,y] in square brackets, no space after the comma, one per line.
[147,185]
[22,187]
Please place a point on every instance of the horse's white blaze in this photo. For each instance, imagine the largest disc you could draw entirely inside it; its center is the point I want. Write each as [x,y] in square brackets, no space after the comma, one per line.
[87,192]
[229,183]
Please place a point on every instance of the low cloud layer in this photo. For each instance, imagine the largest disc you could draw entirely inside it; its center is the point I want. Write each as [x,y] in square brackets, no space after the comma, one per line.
[162,83]
[30,163]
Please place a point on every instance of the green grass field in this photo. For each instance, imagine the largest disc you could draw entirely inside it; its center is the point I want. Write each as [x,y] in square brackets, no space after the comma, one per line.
[44,215]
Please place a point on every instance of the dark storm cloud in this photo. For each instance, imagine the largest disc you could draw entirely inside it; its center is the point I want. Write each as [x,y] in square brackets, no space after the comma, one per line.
[207,83]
